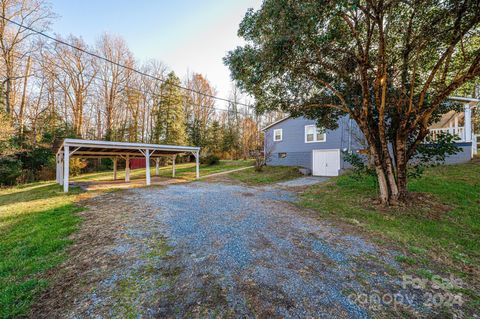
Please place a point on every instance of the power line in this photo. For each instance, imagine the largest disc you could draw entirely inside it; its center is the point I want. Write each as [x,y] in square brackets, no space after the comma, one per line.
[137,89]
[116,63]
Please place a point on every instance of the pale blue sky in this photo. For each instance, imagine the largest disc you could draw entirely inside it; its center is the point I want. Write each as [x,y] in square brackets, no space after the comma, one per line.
[185,35]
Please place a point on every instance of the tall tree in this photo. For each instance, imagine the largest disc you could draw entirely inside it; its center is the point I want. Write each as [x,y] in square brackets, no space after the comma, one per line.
[134,98]
[74,72]
[170,126]
[15,42]
[385,63]
[113,77]
[199,108]
[152,98]
[215,138]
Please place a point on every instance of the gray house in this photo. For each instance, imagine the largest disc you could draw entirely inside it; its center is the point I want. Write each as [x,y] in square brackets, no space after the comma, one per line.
[298,142]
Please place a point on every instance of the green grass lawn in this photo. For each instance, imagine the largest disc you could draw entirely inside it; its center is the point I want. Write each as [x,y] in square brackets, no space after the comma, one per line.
[268,175]
[445,228]
[35,222]
[183,171]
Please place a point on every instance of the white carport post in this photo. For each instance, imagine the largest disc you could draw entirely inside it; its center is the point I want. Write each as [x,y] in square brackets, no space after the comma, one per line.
[115,160]
[60,168]
[173,165]
[66,167]
[197,162]
[127,168]
[157,166]
[147,166]
[57,164]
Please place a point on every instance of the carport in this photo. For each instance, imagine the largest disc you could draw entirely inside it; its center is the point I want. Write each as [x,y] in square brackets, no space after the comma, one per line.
[76,148]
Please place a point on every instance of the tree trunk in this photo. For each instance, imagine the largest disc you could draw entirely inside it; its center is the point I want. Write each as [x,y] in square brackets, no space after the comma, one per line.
[401,167]
[8,93]
[384,190]
[24,97]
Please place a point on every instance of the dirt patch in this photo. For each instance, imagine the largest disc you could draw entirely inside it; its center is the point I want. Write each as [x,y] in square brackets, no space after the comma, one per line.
[93,256]
[248,194]
[417,204]
[121,184]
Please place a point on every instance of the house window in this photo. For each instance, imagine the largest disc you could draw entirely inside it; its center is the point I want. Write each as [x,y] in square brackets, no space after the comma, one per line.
[277,135]
[282,155]
[314,134]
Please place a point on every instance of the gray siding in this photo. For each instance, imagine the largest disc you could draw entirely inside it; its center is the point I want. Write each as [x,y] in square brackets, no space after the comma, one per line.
[299,153]
[463,156]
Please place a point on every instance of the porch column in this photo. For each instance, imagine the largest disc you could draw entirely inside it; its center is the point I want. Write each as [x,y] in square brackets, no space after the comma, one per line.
[157,166]
[455,123]
[468,123]
[115,168]
[147,166]
[66,167]
[197,162]
[127,169]
[173,165]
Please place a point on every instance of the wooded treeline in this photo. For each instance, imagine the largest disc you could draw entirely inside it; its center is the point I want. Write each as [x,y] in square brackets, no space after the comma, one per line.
[50,91]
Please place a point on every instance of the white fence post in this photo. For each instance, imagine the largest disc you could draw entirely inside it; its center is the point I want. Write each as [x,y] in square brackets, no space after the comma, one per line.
[173,166]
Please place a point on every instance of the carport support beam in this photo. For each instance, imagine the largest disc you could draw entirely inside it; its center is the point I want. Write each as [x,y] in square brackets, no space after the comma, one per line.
[66,167]
[197,162]
[115,168]
[127,169]
[173,165]
[60,169]
[57,168]
[157,166]
[147,166]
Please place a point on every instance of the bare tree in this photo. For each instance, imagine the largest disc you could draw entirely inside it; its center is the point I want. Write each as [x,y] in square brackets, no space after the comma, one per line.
[14,40]
[151,99]
[74,72]
[113,76]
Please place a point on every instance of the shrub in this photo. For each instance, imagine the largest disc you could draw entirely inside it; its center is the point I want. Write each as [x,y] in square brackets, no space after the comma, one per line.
[210,160]
[360,167]
[36,163]
[76,166]
[10,170]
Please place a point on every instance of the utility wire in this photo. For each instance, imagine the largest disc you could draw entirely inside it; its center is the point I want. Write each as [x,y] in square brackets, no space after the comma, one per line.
[116,63]
[39,70]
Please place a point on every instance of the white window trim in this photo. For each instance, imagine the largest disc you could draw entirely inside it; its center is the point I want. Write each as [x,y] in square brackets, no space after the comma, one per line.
[315,135]
[275,135]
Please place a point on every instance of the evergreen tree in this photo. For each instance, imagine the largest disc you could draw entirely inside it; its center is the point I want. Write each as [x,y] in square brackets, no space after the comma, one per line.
[215,138]
[170,126]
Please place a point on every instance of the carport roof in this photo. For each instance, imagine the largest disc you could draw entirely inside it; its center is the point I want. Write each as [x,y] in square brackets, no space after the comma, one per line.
[94,148]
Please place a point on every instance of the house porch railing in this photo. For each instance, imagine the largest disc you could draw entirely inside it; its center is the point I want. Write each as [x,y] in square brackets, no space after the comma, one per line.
[459,132]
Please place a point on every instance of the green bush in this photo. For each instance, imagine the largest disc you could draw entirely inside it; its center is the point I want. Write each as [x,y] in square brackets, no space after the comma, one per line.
[210,160]
[35,162]
[10,170]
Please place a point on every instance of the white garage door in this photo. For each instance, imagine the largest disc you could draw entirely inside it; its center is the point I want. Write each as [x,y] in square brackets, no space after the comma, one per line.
[326,162]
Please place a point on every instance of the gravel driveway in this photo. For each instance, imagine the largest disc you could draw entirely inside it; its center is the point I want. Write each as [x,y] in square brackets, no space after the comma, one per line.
[222,250]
